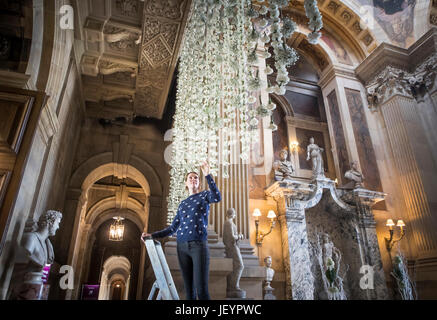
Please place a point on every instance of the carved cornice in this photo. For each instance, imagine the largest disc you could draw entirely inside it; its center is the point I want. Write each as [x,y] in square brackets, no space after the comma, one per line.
[335,13]
[392,81]
[120,38]
[363,196]
[109,67]
[336,71]
[391,70]
[292,195]
[98,93]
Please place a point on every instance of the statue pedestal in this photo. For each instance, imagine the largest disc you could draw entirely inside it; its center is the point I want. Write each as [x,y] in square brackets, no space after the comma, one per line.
[268,292]
[237,294]
[32,288]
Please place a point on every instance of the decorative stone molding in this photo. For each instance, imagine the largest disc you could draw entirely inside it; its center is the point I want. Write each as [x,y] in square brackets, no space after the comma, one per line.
[121,39]
[107,67]
[363,196]
[336,71]
[295,215]
[111,47]
[13,79]
[49,123]
[163,25]
[392,81]
[98,92]
[424,77]
[391,70]
[127,7]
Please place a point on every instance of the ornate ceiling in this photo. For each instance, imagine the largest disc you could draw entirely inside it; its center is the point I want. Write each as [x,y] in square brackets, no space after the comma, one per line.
[130,51]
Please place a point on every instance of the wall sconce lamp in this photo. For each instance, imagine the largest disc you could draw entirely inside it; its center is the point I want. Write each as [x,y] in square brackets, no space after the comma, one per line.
[259,235]
[389,242]
[294,145]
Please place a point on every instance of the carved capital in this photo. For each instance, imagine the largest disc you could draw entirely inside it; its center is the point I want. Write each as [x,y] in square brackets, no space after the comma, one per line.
[393,81]
[423,79]
[388,83]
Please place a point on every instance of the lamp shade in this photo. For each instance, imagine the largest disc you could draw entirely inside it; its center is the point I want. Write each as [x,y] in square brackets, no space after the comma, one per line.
[390,223]
[271,214]
[400,223]
[256,213]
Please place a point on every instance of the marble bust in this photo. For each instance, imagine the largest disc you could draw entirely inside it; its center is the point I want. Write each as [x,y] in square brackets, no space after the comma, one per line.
[232,250]
[270,273]
[314,153]
[283,168]
[33,254]
[354,175]
[36,247]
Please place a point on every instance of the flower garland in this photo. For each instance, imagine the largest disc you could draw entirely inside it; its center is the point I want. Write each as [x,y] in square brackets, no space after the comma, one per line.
[218,81]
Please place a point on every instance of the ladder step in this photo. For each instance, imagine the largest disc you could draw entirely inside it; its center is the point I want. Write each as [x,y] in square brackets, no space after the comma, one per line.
[164,281]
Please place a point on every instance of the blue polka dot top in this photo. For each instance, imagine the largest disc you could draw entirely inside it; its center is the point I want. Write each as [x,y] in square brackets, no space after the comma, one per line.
[191,220]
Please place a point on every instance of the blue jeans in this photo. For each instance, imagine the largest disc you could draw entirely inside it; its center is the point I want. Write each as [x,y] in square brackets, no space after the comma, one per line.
[193,259]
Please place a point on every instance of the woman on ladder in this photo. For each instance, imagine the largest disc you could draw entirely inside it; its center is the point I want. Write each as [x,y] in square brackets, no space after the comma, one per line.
[191,223]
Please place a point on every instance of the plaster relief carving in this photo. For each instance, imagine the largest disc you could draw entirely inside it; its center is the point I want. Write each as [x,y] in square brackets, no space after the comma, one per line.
[356,27]
[155,77]
[99,93]
[154,26]
[368,39]
[147,101]
[170,9]
[156,51]
[346,16]
[389,82]
[120,39]
[162,25]
[108,67]
[127,7]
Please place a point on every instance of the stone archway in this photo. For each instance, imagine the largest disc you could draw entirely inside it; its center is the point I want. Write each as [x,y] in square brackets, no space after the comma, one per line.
[115,269]
[87,217]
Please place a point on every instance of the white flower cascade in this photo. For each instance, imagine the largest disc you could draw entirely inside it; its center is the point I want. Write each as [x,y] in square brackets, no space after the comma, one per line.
[218,78]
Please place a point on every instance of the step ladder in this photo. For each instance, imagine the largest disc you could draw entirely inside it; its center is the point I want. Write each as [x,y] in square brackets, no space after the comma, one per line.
[164,281]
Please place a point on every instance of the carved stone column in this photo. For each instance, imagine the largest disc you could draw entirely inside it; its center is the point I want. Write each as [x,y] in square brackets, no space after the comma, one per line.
[416,168]
[400,85]
[363,200]
[291,198]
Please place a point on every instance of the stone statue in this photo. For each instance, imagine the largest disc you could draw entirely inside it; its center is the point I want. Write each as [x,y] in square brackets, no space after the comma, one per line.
[270,273]
[314,152]
[331,261]
[232,250]
[405,286]
[284,169]
[354,175]
[34,253]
